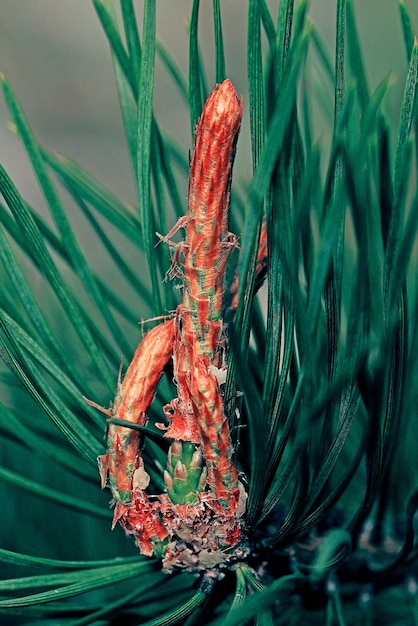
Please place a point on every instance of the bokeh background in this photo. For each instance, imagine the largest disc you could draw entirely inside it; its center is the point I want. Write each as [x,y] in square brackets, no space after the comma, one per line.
[57,59]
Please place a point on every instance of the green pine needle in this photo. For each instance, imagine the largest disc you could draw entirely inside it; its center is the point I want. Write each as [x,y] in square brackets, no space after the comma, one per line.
[321,386]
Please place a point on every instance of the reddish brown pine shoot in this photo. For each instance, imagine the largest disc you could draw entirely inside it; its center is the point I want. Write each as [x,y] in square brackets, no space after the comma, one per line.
[197,523]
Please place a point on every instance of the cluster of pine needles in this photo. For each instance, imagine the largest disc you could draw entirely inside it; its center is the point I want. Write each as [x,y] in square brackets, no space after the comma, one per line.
[324,357]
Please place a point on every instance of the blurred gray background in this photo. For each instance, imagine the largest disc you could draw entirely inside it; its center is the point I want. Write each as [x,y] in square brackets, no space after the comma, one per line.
[57,59]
